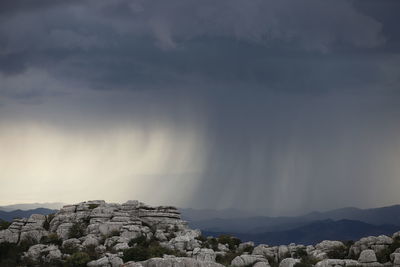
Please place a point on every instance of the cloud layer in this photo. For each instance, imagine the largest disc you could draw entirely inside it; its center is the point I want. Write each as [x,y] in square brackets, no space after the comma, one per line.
[276,106]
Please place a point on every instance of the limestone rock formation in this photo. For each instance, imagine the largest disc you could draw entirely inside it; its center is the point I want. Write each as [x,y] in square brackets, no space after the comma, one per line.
[107,234]
[246,260]
[172,262]
[376,243]
[368,258]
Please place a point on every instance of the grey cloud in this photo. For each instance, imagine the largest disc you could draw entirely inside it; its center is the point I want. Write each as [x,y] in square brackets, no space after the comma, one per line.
[152,44]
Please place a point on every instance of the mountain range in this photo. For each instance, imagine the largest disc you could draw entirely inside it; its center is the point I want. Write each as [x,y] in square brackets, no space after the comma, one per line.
[340,224]
[10,215]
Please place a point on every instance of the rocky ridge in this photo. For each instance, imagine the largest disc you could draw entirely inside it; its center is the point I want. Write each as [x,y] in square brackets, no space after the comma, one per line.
[133,234]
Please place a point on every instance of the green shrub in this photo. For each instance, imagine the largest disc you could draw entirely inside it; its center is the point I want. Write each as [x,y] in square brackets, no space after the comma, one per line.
[136,254]
[395,245]
[146,249]
[9,254]
[49,218]
[248,249]
[301,264]
[93,206]
[300,253]
[339,252]
[209,243]
[27,242]
[232,242]
[51,239]
[140,241]
[383,256]
[4,225]
[78,259]
[77,230]
[91,251]
[69,248]
[272,261]
[202,238]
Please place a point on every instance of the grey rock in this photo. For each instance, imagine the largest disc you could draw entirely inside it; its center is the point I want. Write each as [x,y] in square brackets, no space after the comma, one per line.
[245,260]
[288,262]
[261,264]
[90,240]
[328,245]
[178,262]
[367,256]
[203,254]
[395,258]
[110,260]
[337,262]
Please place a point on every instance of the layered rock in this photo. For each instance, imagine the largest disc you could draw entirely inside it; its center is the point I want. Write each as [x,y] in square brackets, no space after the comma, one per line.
[368,259]
[172,262]
[107,231]
[376,243]
[246,260]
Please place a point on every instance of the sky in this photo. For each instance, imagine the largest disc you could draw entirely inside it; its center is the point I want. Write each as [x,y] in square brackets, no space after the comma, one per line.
[279,107]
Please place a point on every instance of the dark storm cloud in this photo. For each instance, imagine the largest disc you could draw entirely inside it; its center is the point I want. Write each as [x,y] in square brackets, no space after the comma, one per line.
[139,44]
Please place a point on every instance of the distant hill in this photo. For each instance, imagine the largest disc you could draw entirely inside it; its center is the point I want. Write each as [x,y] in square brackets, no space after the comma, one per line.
[315,232]
[31,206]
[383,215]
[10,215]
[260,224]
[205,214]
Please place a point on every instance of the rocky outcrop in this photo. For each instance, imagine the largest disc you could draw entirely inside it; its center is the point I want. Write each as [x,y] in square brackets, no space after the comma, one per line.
[337,263]
[25,229]
[109,260]
[247,260]
[103,234]
[204,254]
[376,243]
[172,262]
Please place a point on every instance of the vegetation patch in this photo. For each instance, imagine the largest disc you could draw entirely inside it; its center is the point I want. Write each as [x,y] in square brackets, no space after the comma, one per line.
[78,259]
[49,218]
[77,230]
[145,249]
[4,225]
[232,242]
[383,256]
[93,206]
[51,239]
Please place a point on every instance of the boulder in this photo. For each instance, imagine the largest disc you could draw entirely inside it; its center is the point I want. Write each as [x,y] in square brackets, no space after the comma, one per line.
[288,262]
[90,240]
[261,264]
[110,260]
[203,254]
[246,260]
[367,256]
[395,258]
[266,251]
[34,252]
[328,245]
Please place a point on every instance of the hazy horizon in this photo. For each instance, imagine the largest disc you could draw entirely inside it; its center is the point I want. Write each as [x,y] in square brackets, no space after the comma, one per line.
[280,107]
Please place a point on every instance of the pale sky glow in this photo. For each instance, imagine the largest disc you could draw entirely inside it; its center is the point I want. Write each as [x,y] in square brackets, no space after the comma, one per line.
[45,164]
